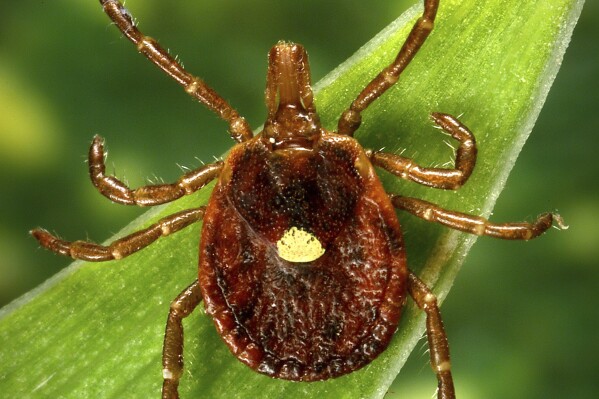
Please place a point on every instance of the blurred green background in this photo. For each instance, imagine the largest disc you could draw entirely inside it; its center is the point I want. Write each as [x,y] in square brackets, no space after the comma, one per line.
[522,317]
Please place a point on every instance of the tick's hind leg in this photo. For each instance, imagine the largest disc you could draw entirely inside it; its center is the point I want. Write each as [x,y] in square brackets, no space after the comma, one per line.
[238,127]
[117,191]
[437,339]
[449,179]
[476,224]
[172,353]
[123,247]
[350,120]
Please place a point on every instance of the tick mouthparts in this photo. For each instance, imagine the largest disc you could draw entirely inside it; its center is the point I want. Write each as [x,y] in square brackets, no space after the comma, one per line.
[288,78]
[288,75]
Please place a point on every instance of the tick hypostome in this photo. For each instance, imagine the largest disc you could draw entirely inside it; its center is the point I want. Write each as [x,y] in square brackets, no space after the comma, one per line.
[302,264]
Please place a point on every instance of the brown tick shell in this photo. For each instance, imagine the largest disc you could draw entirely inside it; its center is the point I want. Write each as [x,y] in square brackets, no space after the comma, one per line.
[302,321]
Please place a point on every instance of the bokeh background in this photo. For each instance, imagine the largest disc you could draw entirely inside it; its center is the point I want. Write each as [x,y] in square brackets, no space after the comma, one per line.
[522,317]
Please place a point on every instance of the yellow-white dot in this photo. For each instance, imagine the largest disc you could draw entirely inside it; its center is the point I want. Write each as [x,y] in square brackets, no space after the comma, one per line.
[298,245]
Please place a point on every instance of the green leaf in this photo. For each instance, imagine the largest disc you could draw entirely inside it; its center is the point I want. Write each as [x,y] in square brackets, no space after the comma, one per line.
[96,330]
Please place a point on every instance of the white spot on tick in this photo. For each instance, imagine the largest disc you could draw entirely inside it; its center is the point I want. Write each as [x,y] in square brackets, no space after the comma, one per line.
[298,245]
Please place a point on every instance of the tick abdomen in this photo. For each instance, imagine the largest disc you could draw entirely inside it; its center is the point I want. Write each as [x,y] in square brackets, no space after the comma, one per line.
[302,320]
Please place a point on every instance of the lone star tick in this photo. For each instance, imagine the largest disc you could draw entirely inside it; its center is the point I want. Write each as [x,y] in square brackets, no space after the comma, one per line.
[302,263]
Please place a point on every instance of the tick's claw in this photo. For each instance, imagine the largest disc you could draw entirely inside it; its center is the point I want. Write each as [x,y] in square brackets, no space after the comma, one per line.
[559,221]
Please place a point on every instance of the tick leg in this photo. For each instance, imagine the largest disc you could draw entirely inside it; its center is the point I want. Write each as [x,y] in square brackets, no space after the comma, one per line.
[239,129]
[350,120]
[476,224]
[437,339]
[172,352]
[450,179]
[117,191]
[123,247]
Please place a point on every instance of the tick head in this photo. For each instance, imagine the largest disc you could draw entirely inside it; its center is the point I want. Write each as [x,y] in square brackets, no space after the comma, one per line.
[292,119]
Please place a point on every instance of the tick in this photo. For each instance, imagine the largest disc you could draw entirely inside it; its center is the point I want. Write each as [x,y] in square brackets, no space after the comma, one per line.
[302,266]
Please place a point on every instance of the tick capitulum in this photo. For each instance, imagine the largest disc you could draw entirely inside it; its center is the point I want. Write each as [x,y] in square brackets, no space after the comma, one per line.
[302,264]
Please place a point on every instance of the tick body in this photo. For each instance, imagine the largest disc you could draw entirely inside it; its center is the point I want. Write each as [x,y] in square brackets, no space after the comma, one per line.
[313,319]
[302,265]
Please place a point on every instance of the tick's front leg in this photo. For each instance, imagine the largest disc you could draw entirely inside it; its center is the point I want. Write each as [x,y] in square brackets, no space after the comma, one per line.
[239,129]
[117,191]
[449,179]
[351,119]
